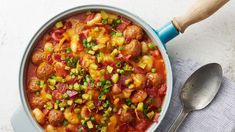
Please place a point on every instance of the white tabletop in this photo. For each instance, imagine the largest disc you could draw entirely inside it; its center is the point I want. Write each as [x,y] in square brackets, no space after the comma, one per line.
[212,40]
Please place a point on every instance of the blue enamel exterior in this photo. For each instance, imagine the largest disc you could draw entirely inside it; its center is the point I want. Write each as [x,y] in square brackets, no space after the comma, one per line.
[167,32]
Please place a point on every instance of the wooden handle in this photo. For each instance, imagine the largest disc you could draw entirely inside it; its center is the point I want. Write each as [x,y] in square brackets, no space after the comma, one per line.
[199,11]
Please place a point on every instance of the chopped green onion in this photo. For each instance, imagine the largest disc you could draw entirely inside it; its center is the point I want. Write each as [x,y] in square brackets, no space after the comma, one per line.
[84,42]
[83,122]
[37,93]
[159,109]
[93,66]
[70,102]
[115,78]
[150,115]
[118,34]
[118,21]
[153,70]
[128,102]
[65,95]
[107,82]
[109,69]
[49,96]
[92,118]
[38,82]
[114,53]
[127,67]
[68,50]
[113,33]
[59,24]
[120,48]
[65,122]
[140,106]
[79,101]
[121,71]
[104,21]
[42,84]
[151,46]
[76,86]
[102,97]
[62,104]
[57,101]
[89,124]
[106,104]
[119,64]
[86,96]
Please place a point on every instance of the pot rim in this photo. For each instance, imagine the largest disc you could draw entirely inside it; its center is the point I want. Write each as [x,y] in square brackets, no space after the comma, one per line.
[73,11]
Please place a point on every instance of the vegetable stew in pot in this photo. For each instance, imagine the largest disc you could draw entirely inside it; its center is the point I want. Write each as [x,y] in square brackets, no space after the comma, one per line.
[96,71]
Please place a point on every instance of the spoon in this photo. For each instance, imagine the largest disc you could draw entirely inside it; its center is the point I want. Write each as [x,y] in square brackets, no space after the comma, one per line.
[198,91]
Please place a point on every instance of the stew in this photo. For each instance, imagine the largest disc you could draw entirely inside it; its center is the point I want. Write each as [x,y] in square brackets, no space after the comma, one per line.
[96,71]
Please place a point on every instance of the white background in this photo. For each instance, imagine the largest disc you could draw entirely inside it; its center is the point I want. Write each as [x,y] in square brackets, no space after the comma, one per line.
[212,40]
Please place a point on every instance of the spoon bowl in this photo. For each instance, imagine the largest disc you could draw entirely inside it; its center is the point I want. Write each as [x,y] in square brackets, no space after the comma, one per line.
[199,90]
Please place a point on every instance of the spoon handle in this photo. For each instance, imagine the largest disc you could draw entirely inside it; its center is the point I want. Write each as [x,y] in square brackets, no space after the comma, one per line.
[178,121]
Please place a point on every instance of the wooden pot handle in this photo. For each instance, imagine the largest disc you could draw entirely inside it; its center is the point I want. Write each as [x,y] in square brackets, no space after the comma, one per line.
[199,11]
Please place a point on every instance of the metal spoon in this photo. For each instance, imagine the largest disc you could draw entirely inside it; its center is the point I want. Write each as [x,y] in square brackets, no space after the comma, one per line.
[198,91]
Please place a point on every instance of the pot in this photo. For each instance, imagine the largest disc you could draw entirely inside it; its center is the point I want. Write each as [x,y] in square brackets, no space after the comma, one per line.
[22,120]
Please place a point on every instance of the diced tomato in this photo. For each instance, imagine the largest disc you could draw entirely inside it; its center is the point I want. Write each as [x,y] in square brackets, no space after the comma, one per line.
[156,54]
[82,128]
[57,34]
[90,17]
[45,112]
[61,87]
[81,37]
[122,80]
[160,68]
[142,125]
[67,25]
[123,127]
[72,93]
[138,69]
[152,92]
[128,40]
[72,81]
[49,59]
[162,90]
[155,119]
[57,57]
[60,70]
[157,102]
[107,76]
[81,17]
[80,47]
[121,27]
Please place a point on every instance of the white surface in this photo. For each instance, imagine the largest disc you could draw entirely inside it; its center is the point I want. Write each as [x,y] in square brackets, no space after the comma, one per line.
[212,40]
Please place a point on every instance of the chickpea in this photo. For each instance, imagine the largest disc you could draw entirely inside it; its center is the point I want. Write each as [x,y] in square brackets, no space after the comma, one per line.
[133,48]
[33,85]
[133,32]
[44,70]
[139,96]
[39,116]
[38,57]
[55,117]
[71,117]
[50,128]
[139,80]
